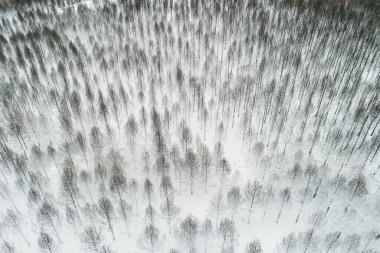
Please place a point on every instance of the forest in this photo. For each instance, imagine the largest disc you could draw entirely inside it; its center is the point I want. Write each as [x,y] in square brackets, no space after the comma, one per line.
[232,126]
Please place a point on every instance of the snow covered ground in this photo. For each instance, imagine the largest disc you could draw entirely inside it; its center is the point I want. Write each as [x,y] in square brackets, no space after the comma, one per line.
[271,104]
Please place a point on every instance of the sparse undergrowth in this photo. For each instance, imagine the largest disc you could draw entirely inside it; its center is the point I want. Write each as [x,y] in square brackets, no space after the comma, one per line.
[189,126]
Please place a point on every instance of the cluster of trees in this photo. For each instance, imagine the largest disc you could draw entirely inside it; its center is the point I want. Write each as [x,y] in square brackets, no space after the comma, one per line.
[116,112]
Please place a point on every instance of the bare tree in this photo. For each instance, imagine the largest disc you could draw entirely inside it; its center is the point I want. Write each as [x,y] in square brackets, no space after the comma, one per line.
[82,144]
[133,186]
[207,229]
[126,213]
[90,211]
[294,173]
[144,119]
[150,214]
[185,136]
[150,238]
[352,242]
[234,199]
[332,241]
[289,242]
[174,155]
[148,190]
[92,239]
[132,129]
[85,177]
[72,217]
[189,230]
[114,101]
[101,173]
[285,196]
[372,234]
[169,210]
[309,239]
[227,232]
[358,187]
[4,190]
[103,110]
[217,204]
[66,119]
[118,181]
[46,243]
[12,220]
[7,247]
[254,247]
[97,141]
[37,154]
[224,170]
[146,159]
[205,158]
[76,106]
[106,210]
[310,173]
[191,164]
[253,192]
[47,214]
[69,184]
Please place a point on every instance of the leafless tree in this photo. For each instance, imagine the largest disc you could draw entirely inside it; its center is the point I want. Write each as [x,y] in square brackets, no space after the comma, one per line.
[46,243]
[114,101]
[189,230]
[205,158]
[332,241]
[217,204]
[224,170]
[358,187]
[13,221]
[310,173]
[106,209]
[85,177]
[191,164]
[97,141]
[150,238]
[309,239]
[373,234]
[234,199]
[254,247]
[47,214]
[132,129]
[185,136]
[285,196]
[104,111]
[76,106]
[227,232]
[82,144]
[72,217]
[207,229]
[92,239]
[118,181]
[69,184]
[7,247]
[352,242]
[254,193]
[150,214]
[175,157]
[101,172]
[37,154]
[126,213]
[289,242]
[133,187]
[148,190]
